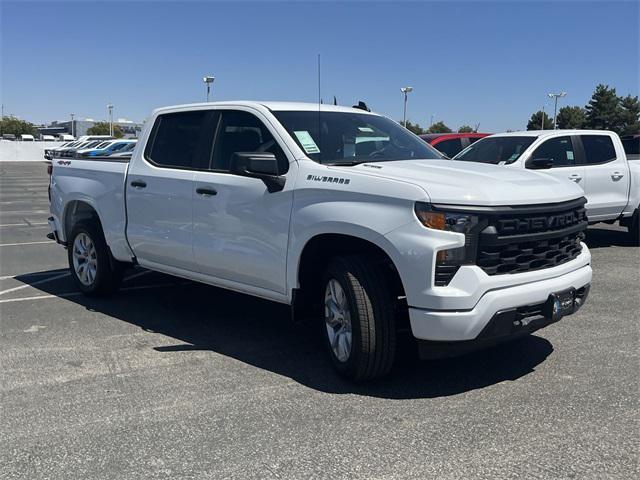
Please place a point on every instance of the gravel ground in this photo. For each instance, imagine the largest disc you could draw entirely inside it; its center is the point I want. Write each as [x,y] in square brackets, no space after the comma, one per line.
[170,379]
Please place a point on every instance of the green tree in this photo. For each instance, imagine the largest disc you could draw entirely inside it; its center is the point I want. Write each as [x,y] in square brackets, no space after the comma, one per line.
[603,110]
[535,122]
[102,128]
[414,128]
[571,117]
[466,129]
[439,127]
[630,115]
[15,126]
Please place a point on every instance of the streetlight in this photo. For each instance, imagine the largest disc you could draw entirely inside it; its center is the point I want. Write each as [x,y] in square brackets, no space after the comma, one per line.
[555,96]
[72,115]
[405,90]
[208,80]
[110,108]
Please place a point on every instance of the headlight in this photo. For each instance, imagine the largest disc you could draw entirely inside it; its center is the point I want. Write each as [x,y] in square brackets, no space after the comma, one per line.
[469,224]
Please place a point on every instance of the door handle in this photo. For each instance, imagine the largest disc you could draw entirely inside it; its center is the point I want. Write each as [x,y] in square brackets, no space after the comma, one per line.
[575,177]
[206,191]
[138,184]
[616,176]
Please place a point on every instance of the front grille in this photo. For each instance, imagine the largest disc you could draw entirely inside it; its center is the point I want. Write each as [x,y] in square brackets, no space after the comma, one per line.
[444,274]
[531,238]
[521,257]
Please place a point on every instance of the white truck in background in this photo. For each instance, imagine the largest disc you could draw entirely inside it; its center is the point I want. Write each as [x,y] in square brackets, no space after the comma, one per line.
[342,214]
[594,159]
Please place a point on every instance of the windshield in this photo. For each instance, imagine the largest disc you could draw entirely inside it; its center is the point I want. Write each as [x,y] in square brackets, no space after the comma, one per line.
[496,150]
[352,138]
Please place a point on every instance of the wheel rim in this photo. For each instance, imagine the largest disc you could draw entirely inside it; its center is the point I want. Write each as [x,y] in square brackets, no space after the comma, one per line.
[85,261]
[337,317]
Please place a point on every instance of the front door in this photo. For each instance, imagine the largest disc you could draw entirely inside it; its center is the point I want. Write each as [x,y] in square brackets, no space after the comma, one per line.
[561,151]
[240,230]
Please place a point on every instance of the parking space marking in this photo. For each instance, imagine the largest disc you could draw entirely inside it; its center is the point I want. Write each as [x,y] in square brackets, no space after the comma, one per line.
[30,224]
[34,274]
[39,282]
[75,294]
[27,243]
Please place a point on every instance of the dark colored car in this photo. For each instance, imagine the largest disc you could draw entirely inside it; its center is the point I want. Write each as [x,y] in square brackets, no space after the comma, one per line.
[452,143]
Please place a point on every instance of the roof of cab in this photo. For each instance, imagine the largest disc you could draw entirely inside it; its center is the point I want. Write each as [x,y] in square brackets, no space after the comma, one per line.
[273,106]
[549,133]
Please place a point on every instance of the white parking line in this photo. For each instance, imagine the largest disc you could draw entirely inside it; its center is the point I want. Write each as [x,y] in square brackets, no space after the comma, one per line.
[32,224]
[75,294]
[27,285]
[26,243]
[34,274]
[22,212]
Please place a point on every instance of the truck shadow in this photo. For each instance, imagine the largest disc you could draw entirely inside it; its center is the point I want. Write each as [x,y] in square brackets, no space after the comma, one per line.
[602,235]
[260,333]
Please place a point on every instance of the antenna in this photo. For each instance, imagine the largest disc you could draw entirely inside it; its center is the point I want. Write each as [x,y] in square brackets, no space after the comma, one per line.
[319,110]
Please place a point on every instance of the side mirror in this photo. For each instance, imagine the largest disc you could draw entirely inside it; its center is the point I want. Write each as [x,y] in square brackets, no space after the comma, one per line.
[260,165]
[539,163]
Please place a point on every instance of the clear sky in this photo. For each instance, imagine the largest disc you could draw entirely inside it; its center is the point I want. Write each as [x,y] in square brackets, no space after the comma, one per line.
[469,62]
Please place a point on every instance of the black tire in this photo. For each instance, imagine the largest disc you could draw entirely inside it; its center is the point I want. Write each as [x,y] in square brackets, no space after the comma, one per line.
[108,271]
[372,309]
[634,228]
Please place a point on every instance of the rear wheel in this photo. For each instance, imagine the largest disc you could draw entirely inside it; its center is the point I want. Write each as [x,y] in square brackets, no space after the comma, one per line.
[359,317]
[92,268]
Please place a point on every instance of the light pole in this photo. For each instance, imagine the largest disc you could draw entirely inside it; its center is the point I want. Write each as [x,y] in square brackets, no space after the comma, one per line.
[72,115]
[431,120]
[208,81]
[542,123]
[555,96]
[110,108]
[405,90]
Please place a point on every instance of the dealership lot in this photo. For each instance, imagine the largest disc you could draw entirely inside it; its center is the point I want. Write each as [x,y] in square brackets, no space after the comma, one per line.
[170,379]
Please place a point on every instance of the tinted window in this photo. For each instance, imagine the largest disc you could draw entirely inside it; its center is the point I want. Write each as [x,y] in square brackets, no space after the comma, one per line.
[352,138]
[176,138]
[559,150]
[243,132]
[496,150]
[450,147]
[631,145]
[598,148]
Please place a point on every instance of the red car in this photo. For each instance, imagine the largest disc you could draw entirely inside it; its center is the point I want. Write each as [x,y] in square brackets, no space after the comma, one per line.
[452,143]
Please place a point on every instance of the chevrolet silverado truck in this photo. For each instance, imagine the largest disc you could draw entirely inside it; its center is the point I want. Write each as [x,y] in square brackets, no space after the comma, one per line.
[338,212]
[594,159]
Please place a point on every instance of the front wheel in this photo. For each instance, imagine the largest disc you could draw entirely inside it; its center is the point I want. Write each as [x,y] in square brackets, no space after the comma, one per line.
[92,269]
[359,317]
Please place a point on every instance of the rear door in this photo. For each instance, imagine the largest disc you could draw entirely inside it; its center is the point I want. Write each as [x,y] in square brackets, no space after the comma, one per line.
[160,189]
[562,152]
[607,173]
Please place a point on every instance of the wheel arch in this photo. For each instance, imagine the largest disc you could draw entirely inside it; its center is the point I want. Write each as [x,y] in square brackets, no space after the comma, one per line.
[319,249]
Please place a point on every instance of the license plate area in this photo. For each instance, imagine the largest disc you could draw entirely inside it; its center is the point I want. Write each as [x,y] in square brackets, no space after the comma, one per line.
[560,304]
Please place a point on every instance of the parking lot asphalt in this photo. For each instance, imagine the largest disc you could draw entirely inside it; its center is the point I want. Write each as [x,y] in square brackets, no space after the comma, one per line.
[171,379]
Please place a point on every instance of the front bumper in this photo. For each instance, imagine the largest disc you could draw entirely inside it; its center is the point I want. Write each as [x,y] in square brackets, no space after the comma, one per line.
[465,325]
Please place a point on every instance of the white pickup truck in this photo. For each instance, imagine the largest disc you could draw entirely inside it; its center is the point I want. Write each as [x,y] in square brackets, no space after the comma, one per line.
[594,159]
[338,212]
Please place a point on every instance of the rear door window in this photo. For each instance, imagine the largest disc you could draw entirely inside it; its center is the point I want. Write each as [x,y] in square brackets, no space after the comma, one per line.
[177,139]
[598,149]
[559,150]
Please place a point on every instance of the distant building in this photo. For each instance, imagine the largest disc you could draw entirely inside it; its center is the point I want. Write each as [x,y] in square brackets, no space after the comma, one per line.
[80,127]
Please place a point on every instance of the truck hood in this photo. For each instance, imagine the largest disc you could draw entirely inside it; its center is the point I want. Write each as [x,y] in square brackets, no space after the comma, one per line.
[471,183]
